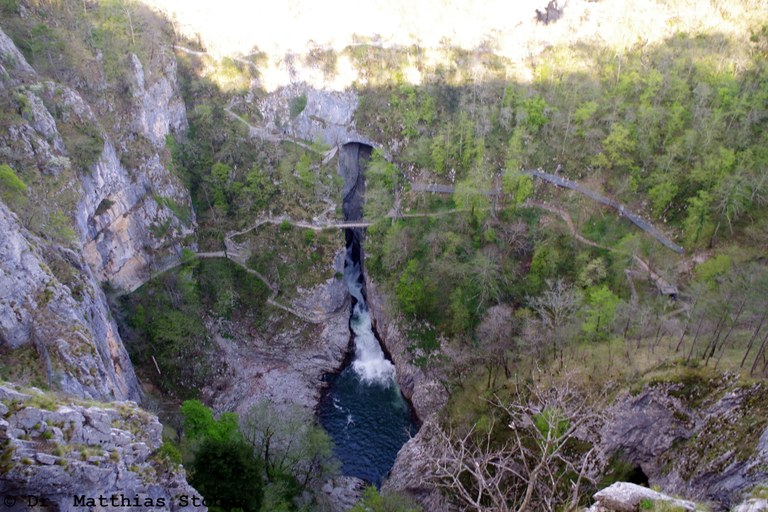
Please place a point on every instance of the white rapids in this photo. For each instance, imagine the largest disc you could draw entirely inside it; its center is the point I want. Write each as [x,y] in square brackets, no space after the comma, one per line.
[369,363]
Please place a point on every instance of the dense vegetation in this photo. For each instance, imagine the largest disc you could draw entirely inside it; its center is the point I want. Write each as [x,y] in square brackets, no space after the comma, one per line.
[262,462]
[671,130]
[234,178]
[508,275]
[165,328]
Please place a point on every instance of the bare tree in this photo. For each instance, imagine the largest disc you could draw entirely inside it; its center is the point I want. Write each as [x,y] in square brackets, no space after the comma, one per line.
[289,442]
[526,462]
[556,308]
[495,338]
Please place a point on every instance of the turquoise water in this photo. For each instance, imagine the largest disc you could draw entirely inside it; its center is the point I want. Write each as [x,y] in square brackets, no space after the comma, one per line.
[368,422]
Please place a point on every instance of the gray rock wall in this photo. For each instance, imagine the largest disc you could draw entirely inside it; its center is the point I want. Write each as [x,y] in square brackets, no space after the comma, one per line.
[425,393]
[73,334]
[125,209]
[705,440]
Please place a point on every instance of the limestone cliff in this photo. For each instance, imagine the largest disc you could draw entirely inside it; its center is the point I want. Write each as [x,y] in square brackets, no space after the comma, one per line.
[426,393]
[61,456]
[63,318]
[94,203]
[101,207]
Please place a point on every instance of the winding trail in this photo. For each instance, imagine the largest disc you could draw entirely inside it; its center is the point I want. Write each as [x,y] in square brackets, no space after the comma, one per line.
[664,287]
[571,185]
[233,254]
[623,210]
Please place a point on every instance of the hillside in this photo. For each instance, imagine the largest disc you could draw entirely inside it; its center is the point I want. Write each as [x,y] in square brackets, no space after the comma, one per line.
[554,218]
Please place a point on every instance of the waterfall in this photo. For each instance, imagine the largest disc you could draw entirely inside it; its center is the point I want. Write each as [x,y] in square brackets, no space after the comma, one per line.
[363,409]
[369,363]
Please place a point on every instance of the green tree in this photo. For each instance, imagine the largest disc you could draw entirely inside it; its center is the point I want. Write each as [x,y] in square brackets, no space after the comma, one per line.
[411,291]
[618,149]
[259,189]
[199,422]
[545,265]
[227,474]
[440,152]
[534,109]
[225,469]
[380,183]
[218,187]
[698,225]
[44,42]
[517,185]
[600,312]
[297,105]
[515,152]
[662,194]
[12,189]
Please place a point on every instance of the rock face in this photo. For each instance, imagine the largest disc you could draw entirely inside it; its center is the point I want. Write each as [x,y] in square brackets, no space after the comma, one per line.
[705,439]
[352,159]
[135,220]
[646,426]
[411,471]
[343,492]
[65,455]
[102,208]
[327,116]
[752,505]
[425,393]
[65,321]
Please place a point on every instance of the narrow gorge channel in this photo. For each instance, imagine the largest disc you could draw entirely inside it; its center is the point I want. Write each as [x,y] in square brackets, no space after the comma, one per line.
[363,409]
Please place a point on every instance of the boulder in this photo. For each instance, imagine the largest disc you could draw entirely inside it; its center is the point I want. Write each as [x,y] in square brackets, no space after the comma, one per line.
[627,497]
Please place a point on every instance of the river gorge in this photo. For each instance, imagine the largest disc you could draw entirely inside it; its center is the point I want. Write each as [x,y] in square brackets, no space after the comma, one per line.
[363,409]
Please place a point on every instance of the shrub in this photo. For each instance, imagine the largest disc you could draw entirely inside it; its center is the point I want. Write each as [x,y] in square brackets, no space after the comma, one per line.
[298,105]
[11,186]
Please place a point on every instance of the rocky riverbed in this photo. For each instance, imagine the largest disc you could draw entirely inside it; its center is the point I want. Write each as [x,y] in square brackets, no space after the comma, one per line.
[286,368]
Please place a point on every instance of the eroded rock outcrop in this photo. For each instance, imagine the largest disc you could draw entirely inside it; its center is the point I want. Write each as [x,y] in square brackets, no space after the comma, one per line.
[425,393]
[704,437]
[51,304]
[752,505]
[62,456]
[412,470]
[327,116]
